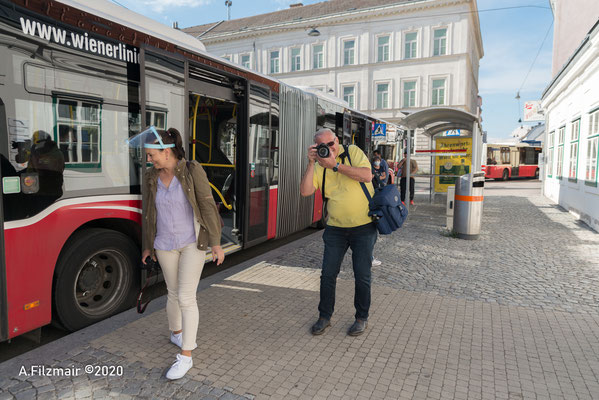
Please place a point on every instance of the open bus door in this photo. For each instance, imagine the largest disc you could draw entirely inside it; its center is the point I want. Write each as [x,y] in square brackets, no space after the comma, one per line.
[215,119]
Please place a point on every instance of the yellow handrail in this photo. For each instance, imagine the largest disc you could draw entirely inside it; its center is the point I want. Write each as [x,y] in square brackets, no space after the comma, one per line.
[228,206]
[217,165]
[195,114]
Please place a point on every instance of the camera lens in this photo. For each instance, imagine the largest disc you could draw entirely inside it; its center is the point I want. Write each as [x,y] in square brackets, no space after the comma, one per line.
[323,150]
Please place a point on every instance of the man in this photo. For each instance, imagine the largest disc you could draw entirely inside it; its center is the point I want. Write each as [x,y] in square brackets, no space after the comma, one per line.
[402,182]
[384,165]
[348,225]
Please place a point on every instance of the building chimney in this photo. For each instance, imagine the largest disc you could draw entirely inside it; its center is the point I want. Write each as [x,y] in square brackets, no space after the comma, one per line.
[175,25]
[295,5]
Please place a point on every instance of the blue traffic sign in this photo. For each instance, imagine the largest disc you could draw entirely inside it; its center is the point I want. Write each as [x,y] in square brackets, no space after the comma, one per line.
[379,130]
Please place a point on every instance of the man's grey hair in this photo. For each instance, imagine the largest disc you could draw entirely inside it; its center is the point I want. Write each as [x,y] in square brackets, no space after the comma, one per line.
[321,132]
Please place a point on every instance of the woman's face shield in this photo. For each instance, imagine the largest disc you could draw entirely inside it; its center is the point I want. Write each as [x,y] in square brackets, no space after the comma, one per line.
[148,139]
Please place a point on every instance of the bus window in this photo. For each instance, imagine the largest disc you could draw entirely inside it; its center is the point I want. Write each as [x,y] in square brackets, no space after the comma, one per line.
[67,126]
[505,155]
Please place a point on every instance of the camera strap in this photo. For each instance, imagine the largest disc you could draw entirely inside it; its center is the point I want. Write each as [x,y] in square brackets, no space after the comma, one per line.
[324,176]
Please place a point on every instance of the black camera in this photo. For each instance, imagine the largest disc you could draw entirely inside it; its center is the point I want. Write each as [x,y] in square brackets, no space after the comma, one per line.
[323,150]
[150,265]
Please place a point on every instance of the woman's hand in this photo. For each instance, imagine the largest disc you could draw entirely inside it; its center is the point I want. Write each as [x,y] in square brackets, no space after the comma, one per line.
[218,255]
[146,253]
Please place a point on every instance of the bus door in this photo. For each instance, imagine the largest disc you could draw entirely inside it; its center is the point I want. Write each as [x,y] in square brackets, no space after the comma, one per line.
[258,165]
[5,166]
[213,134]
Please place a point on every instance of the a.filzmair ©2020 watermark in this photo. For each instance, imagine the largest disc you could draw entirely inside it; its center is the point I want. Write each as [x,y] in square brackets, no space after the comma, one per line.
[95,370]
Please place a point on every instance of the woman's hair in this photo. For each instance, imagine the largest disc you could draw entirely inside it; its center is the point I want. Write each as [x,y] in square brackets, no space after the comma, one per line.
[376,158]
[171,135]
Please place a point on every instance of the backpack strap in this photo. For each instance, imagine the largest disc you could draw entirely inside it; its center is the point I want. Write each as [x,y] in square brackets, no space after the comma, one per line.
[346,153]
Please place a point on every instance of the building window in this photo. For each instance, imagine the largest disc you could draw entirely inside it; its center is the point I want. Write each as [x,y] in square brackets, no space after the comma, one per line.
[226,57]
[318,56]
[561,133]
[592,142]
[78,128]
[382,95]
[440,42]
[349,49]
[245,61]
[274,62]
[349,95]
[438,94]
[550,140]
[573,165]
[409,94]
[410,45]
[382,49]
[296,59]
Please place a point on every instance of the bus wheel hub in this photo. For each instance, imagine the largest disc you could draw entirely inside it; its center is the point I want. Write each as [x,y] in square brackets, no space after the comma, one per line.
[90,277]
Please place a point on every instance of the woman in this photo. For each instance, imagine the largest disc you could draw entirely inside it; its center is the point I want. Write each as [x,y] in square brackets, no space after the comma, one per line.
[181,222]
[379,176]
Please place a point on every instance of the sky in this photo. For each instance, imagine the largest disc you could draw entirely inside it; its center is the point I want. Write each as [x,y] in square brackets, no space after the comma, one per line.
[512,38]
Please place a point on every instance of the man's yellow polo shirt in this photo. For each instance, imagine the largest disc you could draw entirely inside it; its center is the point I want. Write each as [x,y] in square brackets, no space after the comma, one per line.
[347,206]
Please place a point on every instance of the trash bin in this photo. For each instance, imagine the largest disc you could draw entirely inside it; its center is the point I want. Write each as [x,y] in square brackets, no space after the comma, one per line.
[450,207]
[468,206]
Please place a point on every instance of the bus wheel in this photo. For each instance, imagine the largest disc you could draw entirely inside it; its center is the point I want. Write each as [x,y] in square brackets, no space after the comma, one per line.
[505,175]
[537,173]
[95,277]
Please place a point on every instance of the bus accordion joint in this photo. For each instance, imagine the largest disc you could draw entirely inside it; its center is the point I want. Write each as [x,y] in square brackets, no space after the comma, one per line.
[468,198]
[228,206]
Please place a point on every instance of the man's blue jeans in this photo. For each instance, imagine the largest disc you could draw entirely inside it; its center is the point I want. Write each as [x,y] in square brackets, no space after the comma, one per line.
[361,240]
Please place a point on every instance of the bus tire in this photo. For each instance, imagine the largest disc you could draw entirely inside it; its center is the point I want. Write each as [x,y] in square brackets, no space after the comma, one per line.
[537,173]
[505,175]
[95,277]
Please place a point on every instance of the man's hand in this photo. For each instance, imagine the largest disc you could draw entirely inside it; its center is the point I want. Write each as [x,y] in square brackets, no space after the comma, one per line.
[328,162]
[312,155]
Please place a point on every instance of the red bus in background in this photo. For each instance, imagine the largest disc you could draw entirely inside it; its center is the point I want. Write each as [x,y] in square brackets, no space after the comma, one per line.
[505,161]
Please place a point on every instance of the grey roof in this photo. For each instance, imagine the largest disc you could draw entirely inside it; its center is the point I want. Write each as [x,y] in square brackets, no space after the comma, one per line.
[293,14]
[535,132]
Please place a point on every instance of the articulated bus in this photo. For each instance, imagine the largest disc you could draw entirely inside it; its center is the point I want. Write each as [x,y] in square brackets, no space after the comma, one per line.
[77,80]
[505,161]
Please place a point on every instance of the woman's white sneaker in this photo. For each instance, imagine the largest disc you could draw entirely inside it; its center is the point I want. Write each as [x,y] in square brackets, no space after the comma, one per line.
[177,338]
[180,367]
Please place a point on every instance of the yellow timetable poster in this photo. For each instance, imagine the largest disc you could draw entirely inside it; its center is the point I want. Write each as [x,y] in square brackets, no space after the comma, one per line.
[452,165]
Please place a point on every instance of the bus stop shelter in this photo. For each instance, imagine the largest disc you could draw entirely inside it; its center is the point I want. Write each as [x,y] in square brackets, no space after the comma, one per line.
[436,120]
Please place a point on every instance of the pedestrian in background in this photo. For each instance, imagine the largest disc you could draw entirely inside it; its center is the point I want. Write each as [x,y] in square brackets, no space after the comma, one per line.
[384,164]
[348,225]
[180,222]
[402,183]
[379,178]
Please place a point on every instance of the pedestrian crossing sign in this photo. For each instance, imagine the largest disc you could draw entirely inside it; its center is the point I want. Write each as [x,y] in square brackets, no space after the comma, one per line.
[379,130]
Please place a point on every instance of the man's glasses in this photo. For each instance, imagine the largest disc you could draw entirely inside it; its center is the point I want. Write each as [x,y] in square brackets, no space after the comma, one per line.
[330,144]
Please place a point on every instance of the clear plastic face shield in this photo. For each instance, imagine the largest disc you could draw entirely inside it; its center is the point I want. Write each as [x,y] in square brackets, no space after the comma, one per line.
[148,139]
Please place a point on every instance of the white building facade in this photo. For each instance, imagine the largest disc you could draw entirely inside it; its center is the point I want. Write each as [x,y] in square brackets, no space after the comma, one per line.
[387,58]
[571,104]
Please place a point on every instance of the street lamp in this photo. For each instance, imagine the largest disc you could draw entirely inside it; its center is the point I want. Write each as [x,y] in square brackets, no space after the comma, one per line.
[314,32]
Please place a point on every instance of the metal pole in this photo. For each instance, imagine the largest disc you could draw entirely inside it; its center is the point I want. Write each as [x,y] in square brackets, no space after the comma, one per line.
[408,166]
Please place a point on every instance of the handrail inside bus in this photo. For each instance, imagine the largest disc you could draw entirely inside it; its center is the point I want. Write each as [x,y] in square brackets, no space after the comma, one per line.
[228,206]
[217,165]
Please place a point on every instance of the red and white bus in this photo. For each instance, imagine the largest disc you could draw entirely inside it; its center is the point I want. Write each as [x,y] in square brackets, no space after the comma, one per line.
[78,78]
[505,161]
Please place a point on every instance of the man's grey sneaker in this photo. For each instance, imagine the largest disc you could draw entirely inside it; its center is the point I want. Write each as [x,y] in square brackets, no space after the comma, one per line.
[319,327]
[357,328]
[376,262]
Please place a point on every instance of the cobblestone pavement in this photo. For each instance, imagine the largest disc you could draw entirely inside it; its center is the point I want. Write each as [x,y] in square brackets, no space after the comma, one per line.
[512,315]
